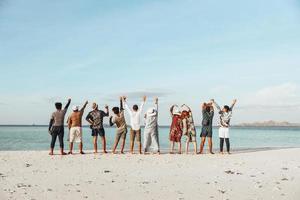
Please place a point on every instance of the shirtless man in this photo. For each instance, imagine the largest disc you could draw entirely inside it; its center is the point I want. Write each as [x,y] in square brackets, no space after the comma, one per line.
[75,127]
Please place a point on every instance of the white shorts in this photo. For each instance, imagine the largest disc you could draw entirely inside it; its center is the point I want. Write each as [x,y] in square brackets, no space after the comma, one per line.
[223,132]
[76,134]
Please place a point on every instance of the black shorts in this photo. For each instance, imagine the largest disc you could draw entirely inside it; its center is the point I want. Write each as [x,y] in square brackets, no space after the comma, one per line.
[206,131]
[100,132]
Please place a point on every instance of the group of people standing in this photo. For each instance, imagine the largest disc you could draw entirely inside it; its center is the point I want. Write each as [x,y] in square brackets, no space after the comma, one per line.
[182,125]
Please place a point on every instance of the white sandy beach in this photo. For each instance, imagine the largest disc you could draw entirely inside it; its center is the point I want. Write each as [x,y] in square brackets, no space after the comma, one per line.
[271,174]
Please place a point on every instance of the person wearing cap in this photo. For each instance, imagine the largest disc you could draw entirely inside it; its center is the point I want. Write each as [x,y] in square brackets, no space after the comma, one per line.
[207,130]
[176,128]
[189,130]
[225,117]
[95,118]
[75,127]
[135,122]
[151,139]
[56,126]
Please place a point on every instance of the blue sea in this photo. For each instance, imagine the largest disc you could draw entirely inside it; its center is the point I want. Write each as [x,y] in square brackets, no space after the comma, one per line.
[14,138]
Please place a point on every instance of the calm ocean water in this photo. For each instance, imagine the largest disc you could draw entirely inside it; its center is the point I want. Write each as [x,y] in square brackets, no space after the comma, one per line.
[37,138]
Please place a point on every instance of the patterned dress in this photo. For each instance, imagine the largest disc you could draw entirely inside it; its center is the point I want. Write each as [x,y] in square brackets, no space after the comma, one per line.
[191,130]
[176,129]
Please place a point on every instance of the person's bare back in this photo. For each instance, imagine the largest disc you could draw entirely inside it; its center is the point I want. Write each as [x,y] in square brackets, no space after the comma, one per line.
[75,119]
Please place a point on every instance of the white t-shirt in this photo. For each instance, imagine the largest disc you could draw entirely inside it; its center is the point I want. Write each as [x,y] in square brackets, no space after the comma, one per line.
[135,117]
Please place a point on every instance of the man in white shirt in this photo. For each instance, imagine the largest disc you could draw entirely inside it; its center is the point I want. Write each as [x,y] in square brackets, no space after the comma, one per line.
[135,122]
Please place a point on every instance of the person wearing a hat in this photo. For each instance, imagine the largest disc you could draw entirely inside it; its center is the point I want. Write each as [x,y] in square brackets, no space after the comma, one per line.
[176,128]
[189,130]
[56,126]
[95,118]
[75,127]
[207,130]
[151,140]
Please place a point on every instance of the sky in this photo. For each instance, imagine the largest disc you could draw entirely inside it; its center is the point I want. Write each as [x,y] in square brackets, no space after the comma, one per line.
[181,51]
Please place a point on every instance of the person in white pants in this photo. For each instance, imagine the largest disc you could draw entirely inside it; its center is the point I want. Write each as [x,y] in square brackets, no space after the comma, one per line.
[225,117]
[151,140]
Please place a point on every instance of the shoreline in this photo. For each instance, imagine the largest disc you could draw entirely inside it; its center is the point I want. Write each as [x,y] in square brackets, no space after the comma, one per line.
[166,150]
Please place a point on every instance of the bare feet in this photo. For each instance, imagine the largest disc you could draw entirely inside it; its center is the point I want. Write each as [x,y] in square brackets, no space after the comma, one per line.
[63,153]
[105,152]
[82,153]
[51,154]
[70,153]
[211,152]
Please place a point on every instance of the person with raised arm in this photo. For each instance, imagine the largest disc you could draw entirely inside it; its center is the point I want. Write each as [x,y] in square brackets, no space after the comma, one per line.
[189,129]
[135,122]
[95,118]
[207,122]
[151,139]
[175,129]
[121,130]
[224,123]
[75,127]
[56,126]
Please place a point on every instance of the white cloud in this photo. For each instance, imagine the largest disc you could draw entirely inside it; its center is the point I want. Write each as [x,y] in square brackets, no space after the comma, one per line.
[284,95]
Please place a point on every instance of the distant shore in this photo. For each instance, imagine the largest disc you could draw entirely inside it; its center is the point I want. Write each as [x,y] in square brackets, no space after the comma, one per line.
[266,174]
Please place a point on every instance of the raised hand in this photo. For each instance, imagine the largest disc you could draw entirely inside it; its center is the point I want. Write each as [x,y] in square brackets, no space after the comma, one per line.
[144,98]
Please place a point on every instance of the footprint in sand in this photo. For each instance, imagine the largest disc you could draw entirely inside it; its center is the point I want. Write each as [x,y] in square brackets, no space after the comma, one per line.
[28,165]
[229,172]
[285,169]
[222,191]
[284,179]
